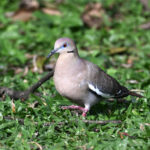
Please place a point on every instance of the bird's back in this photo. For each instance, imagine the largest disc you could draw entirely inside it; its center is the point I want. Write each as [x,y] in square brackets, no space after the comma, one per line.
[103,84]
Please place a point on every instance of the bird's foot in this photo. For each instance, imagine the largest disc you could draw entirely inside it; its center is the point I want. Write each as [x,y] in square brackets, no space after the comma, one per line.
[82,109]
[84,112]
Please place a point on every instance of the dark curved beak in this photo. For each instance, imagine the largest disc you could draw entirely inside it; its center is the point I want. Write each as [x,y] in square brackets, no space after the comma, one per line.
[52,52]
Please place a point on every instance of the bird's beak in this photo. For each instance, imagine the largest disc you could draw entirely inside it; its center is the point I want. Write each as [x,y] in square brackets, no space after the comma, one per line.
[52,52]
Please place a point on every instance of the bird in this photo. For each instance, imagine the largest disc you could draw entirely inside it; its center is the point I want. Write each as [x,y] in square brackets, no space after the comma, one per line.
[81,81]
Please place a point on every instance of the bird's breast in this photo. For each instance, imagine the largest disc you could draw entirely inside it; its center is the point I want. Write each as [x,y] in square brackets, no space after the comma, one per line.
[70,81]
[69,86]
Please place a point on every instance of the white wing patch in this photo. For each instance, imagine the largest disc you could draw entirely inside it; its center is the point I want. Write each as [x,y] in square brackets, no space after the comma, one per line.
[119,92]
[98,92]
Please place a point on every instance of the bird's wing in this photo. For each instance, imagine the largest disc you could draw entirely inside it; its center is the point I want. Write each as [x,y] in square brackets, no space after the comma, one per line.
[104,85]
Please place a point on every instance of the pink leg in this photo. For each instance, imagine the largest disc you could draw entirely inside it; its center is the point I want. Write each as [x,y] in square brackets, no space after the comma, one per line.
[84,110]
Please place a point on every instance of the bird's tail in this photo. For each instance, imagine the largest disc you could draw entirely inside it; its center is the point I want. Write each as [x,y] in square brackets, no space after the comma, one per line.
[135,94]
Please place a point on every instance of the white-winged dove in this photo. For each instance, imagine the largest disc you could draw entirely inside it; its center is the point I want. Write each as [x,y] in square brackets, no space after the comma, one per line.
[81,81]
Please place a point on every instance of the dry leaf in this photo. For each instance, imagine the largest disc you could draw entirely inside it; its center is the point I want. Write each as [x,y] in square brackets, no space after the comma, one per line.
[92,15]
[145,26]
[137,90]
[37,144]
[33,105]
[13,107]
[51,11]
[18,70]
[117,50]
[9,14]
[29,56]
[133,81]
[147,124]
[141,127]
[22,15]
[19,135]
[130,61]
[25,81]
[123,133]
[29,4]
[145,3]
[126,65]
[38,63]
[26,69]
[27,7]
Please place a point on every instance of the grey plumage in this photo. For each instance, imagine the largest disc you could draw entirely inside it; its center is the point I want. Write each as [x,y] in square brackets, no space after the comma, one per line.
[81,81]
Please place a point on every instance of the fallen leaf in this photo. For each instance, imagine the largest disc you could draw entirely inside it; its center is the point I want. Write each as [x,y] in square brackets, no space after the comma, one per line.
[117,50]
[13,107]
[19,135]
[33,105]
[141,127]
[145,3]
[137,90]
[38,63]
[22,15]
[51,11]
[29,5]
[37,144]
[18,70]
[126,65]
[125,134]
[9,14]
[130,61]
[121,135]
[133,81]
[145,26]
[93,15]
[147,124]
[29,56]
[26,71]
[25,81]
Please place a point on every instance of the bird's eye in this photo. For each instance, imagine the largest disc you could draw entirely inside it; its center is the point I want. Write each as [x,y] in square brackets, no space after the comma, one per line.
[65,45]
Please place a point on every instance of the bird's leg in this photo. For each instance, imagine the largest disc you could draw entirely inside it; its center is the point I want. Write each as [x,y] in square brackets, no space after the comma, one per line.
[84,110]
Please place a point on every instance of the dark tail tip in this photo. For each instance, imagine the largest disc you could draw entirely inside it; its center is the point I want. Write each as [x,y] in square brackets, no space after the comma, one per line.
[135,94]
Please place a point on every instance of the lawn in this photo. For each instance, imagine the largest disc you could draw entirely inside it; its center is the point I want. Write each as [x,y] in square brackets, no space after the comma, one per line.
[116,40]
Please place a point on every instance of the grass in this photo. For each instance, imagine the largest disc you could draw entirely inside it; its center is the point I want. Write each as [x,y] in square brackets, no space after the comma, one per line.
[37,36]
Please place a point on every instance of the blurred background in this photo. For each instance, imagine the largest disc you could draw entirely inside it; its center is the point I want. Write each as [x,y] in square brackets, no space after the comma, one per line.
[114,34]
[111,33]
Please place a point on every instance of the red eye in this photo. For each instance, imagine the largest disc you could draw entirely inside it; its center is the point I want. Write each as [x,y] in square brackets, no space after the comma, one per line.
[65,45]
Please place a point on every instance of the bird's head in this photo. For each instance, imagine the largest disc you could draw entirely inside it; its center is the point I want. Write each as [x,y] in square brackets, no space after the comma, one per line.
[63,45]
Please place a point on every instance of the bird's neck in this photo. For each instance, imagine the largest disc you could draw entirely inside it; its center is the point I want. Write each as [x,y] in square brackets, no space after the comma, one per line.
[68,62]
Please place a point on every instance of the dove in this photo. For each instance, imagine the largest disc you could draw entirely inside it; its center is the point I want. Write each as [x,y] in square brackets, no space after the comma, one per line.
[81,81]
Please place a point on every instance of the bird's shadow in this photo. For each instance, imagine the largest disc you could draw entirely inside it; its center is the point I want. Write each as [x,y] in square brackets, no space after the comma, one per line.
[109,107]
